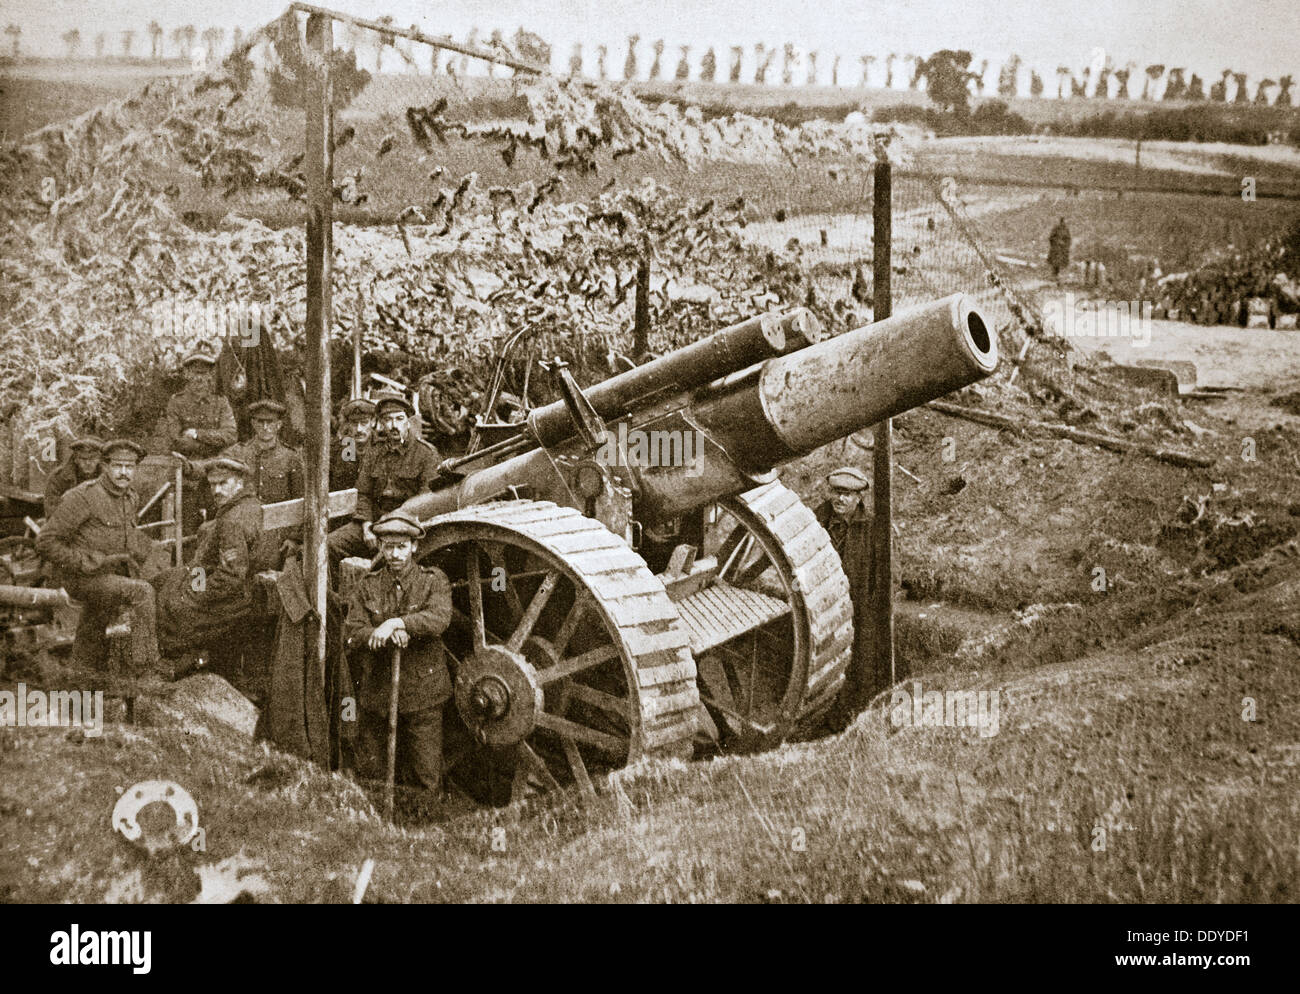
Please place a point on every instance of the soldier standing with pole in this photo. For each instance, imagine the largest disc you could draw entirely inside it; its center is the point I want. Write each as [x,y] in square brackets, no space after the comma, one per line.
[399,605]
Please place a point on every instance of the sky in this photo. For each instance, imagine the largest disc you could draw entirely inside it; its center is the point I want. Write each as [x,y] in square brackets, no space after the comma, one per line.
[1256,36]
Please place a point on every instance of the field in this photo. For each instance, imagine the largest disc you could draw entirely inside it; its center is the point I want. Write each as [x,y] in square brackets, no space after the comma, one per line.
[1148,738]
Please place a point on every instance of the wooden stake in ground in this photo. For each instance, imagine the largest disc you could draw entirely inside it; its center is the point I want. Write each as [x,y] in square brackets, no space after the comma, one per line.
[319,167]
[882,614]
[390,780]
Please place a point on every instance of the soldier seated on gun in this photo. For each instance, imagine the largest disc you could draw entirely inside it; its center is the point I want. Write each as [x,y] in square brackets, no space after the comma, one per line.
[81,465]
[92,542]
[397,465]
[210,603]
[348,448]
[400,605]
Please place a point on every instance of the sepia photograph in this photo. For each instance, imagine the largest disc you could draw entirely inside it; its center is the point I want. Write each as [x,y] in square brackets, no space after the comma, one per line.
[575,452]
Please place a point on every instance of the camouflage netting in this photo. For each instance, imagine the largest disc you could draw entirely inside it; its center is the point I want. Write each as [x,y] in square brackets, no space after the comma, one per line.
[467,208]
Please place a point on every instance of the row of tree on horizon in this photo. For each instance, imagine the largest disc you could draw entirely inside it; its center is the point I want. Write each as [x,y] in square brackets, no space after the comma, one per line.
[785,65]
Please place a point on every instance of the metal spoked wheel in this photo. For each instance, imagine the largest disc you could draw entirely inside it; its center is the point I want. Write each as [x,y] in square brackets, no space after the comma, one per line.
[569,658]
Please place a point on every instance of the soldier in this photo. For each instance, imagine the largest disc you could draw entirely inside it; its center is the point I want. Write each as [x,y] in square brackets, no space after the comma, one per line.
[848,520]
[396,466]
[92,542]
[400,604]
[357,423]
[198,423]
[209,601]
[81,465]
[276,469]
[1058,248]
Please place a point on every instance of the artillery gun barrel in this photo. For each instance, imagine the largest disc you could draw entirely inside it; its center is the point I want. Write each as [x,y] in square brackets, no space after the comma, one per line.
[796,403]
[724,352]
[770,413]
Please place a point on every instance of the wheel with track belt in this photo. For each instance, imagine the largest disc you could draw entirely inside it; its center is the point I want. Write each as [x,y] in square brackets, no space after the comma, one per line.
[569,659]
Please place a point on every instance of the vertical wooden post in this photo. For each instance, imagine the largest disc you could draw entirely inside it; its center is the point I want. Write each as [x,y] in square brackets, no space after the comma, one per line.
[883,463]
[178,524]
[641,321]
[319,162]
[355,392]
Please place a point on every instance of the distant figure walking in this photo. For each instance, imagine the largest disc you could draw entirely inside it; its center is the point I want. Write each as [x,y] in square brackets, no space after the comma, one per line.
[1058,248]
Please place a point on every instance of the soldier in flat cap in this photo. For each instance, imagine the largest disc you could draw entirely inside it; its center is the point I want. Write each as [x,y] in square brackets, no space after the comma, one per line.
[81,465]
[276,469]
[848,520]
[400,604]
[198,423]
[209,603]
[97,553]
[348,448]
[397,465]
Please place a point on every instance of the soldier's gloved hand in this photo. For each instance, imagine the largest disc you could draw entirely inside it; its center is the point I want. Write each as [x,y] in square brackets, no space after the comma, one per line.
[368,534]
[190,433]
[401,638]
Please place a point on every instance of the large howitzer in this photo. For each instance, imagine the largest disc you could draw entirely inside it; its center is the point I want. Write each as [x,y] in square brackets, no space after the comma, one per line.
[628,555]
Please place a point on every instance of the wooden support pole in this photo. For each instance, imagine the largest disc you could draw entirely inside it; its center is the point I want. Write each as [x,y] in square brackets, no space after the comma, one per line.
[178,515]
[319,162]
[356,348]
[882,620]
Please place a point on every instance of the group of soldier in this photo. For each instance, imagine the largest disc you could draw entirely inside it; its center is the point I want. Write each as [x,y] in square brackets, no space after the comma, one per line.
[93,546]
[106,562]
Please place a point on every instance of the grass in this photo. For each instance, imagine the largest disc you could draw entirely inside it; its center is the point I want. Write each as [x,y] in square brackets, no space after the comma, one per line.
[1148,787]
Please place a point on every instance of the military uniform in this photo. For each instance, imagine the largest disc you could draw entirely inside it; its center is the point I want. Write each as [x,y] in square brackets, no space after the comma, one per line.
[275,473]
[346,453]
[230,553]
[422,599]
[389,476]
[344,472]
[209,414]
[851,537]
[69,474]
[213,422]
[95,520]
[1058,250]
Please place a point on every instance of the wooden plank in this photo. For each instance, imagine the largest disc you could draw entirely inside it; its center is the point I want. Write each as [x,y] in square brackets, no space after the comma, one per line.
[288,513]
